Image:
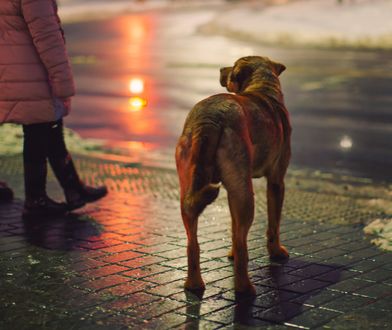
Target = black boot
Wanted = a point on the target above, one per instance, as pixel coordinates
(43, 206)
(6, 193)
(37, 203)
(77, 194)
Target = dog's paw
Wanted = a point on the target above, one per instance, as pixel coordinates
(194, 284)
(278, 252)
(245, 290)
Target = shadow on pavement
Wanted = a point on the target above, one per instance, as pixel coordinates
(287, 293)
(63, 233)
(283, 291)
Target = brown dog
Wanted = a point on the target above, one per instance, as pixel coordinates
(232, 138)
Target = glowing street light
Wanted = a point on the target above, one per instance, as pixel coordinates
(136, 86)
(346, 142)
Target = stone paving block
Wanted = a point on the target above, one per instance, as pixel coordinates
(103, 271)
(173, 254)
(167, 289)
(312, 270)
(121, 247)
(120, 257)
(134, 300)
(328, 254)
(105, 282)
(313, 317)
(166, 321)
(196, 324)
(376, 275)
(127, 288)
(166, 277)
(347, 302)
(145, 271)
(307, 249)
(121, 263)
(384, 304)
(206, 307)
(305, 286)
(192, 297)
(212, 277)
(349, 285)
(336, 275)
(366, 265)
(281, 313)
(87, 264)
(363, 318)
(12, 246)
(376, 291)
(143, 261)
(215, 254)
(157, 308)
(238, 314)
(317, 298)
(233, 296)
(211, 265)
(280, 281)
(274, 297)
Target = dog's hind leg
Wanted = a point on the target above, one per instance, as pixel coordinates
(194, 280)
(190, 211)
(241, 203)
(195, 158)
(275, 197)
(236, 177)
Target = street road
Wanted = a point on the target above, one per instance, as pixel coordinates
(140, 74)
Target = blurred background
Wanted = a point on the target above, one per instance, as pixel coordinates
(140, 66)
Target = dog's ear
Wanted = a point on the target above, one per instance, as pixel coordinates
(278, 67)
(224, 74)
(240, 78)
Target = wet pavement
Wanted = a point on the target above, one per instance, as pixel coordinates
(339, 100)
(121, 263)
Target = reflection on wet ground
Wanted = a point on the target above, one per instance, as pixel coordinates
(122, 262)
(63, 233)
(339, 100)
(124, 259)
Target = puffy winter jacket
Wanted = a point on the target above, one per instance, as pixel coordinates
(34, 65)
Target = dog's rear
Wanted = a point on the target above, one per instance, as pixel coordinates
(195, 160)
(195, 154)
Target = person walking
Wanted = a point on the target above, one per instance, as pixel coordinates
(36, 85)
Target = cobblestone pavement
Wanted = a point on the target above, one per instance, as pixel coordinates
(121, 263)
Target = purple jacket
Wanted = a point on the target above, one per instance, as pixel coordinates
(34, 64)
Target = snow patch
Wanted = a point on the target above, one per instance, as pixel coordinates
(85, 10)
(382, 228)
(11, 137)
(316, 23)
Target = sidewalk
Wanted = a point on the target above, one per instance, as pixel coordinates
(121, 263)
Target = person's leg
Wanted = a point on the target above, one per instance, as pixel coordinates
(77, 194)
(35, 149)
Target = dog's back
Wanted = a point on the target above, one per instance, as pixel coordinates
(221, 128)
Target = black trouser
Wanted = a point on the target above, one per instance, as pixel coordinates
(43, 142)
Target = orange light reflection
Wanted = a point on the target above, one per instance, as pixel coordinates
(137, 103)
(141, 106)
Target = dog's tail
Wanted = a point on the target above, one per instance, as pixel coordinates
(203, 187)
